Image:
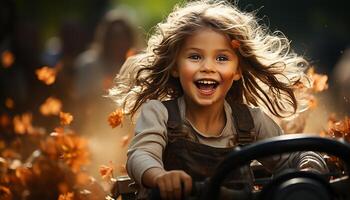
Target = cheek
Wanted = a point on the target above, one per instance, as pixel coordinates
(230, 73)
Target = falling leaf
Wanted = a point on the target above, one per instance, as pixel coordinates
(2, 144)
(50, 148)
(235, 44)
(312, 102)
(7, 59)
(115, 118)
(66, 196)
(106, 172)
(74, 151)
(130, 52)
(58, 131)
(9, 103)
(23, 174)
(46, 75)
(125, 140)
(63, 187)
(65, 118)
(51, 106)
(341, 129)
(107, 82)
(4, 120)
(319, 82)
(23, 123)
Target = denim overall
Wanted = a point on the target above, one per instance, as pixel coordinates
(184, 152)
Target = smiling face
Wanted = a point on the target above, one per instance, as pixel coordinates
(206, 66)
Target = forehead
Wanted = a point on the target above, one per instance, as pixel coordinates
(207, 38)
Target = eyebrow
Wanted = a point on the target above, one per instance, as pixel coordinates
(219, 50)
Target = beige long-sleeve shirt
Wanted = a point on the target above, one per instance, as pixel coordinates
(146, 148)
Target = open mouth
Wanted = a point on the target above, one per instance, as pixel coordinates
(206, 84)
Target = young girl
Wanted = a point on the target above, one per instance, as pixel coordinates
(206, 70)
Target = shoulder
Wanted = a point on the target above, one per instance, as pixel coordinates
(154, 108)
(153, 105)
(152, 118)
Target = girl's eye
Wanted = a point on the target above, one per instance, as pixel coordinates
(194, 57)
(222, 58)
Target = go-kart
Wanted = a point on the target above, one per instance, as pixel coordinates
(289, 185)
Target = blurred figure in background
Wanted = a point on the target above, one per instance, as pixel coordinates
(115, 39)
(95, 68)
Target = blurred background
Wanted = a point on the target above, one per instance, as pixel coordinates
(62, 56)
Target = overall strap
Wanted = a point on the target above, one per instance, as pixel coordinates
(174, 117)
(244, 124)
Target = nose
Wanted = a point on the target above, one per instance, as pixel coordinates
(208, 66)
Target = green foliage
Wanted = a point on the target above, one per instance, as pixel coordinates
(149, 12)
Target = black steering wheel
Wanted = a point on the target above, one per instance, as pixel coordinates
(293, 185)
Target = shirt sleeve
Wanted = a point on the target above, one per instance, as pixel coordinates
(265, 128)
(146, 148)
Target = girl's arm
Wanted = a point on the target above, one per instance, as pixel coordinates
(146, 148)
(144, 163)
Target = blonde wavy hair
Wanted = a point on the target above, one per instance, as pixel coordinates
(270, 71)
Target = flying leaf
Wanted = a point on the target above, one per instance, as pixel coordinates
(9, 103)
(7, 59)
(23, 123)
(67, 196)
(65, 118)
(106, 172)
(51, 106)
(115, 118)
(319, 81)
(46, 75)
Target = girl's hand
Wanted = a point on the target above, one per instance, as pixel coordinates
(170, 184)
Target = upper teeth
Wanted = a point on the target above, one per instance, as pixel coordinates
(206, 82)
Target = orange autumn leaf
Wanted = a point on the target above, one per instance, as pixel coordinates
(115, 118)
(107, 82)
(50, 148)
(63, 187)
(4, 120)
(9, 103)
(74, 151)
(312, 102)
(7, 59)
(340, 128)
(2, 145)
(23, 123)
(46, 75)
(125, 140)
(235, 44)
(106, 172)
(23, 174)
(319, 81)
(51, 106)
(65, 118)
(66, 196)
(130, 52)
(59, 131)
